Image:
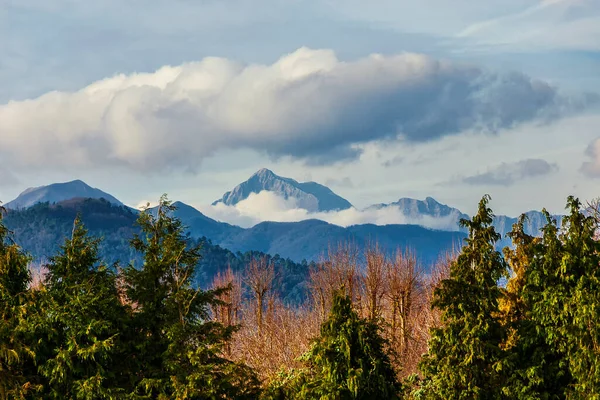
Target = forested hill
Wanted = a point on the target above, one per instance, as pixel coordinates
(41, 229)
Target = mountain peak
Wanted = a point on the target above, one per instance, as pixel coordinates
(57, 192)
(310, 195)
(264, 172)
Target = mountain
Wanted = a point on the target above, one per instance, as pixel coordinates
(309, 195)
(416, 211)
(200, 225)
(430, 212)
(311, 239)
(42, 228)
(58, 192)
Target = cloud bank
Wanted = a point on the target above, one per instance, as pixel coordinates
(268, 206)
(307, 105)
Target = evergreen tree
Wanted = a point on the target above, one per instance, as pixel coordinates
(580, 270)
(14, 280)
(465, 356)
(564, 290)
(535, 368)
(176, 348)
(347, 361)
(82, 319)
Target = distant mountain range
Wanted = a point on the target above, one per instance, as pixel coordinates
(41, 228)
(311, 196)
(307, 239)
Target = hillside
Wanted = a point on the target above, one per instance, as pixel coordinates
(40, 229)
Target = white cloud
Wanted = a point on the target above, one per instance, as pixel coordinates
(308, 105)
(268, 206)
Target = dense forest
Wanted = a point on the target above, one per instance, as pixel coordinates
(148, 323)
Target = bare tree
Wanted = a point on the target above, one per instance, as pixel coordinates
(228, 311)
(374, 280)
(405, 289)
(338, 271)
(260, 276)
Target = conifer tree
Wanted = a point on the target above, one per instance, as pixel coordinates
(176, 348)
(14, 280)
(535, 368)
(347, 361)
(564, 287)
(465, 356)
(82, 319)
(580, 269)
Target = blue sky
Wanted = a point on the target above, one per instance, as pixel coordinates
(463, 98)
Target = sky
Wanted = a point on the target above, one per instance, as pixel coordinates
(377, 100)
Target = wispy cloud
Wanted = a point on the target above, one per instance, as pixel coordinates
(507, 174)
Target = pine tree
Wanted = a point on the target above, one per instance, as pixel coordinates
(347, 361)
(176, 348)
(82, 319)
(465, 354)
(14, 280)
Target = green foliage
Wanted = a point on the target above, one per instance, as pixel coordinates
(536, 367)
(14, 279)
(347, 361)
(465, 357)
(82, 319)
(563, 293)
(93, 331)
(176, 348)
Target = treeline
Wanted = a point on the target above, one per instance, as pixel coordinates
(371, 326)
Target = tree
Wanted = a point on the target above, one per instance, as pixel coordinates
(465, 354)
(405, 294)
(176, 346)
(535, 368)
(374, 281)
(82, 319)
(14, 280)
(347, 361)
(260, 279)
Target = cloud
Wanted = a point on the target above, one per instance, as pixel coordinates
(268, 206)
(396, 160)
(592, 168)
(307, 105)
(345, 182)
(546, 25)
(507, 174)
